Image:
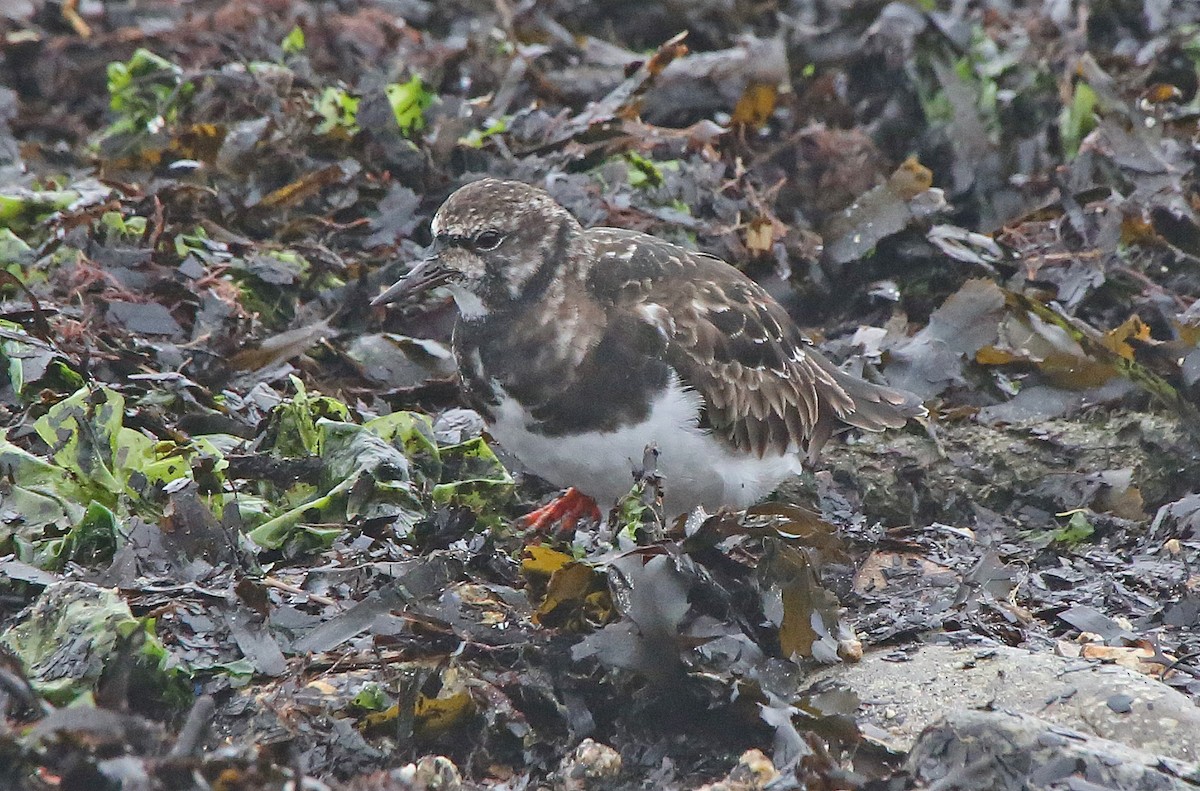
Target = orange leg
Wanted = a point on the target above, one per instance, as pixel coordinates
(565, 511)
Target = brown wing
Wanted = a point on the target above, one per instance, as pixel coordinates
(764, 387)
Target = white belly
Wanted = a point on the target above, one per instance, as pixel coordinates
(696, 468)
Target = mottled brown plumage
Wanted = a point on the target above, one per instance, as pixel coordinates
(764, 386)
(611, 339)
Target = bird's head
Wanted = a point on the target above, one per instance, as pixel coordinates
(494, 243)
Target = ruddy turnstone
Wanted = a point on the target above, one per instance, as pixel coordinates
(580, 347)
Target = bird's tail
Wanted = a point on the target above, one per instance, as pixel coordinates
(875, 408)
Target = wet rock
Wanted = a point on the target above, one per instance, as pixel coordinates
(904, 693)
(1000, 750)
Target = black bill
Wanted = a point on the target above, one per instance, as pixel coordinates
(425, 275)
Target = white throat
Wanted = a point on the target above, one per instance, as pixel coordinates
(470, 306)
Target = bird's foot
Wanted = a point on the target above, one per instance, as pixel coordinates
(564, 513)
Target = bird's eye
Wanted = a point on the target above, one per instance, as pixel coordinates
(488, 240)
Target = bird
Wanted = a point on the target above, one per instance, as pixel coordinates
(582, 347)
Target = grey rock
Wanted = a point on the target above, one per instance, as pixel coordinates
(903, 697)
(999, 750)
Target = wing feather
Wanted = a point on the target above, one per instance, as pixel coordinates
(765, 389)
